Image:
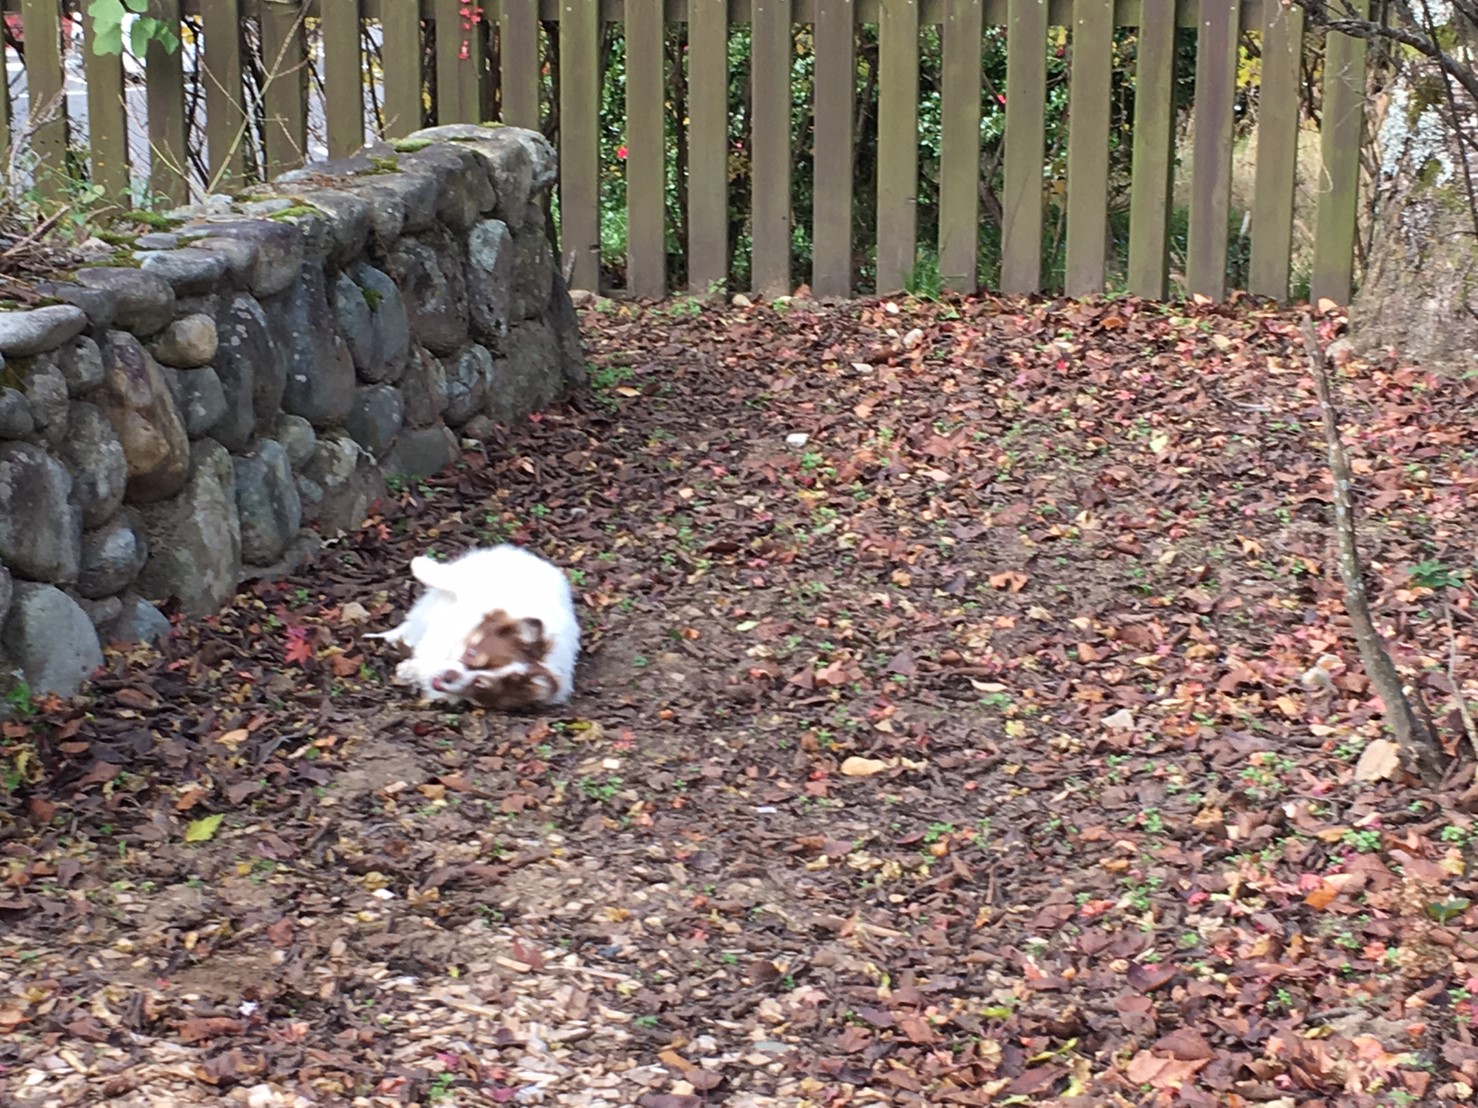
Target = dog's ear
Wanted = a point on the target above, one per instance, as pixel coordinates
(432, 574)
(530, 631)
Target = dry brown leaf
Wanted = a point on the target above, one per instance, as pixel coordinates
(1380, 761)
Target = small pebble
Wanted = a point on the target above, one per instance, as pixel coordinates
(800, 438)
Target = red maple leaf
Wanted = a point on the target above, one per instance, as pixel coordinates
(299, 649)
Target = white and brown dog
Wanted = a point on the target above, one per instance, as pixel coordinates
(496, 627)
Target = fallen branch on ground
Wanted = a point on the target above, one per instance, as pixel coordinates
(1421, 750)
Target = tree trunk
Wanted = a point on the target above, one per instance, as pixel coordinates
(1419, 295)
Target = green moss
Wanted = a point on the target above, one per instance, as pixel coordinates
(160, 221)
(410, 146)
(117, 261)
(297, 211)
(117, 238)
(386, 165)
(372, 297)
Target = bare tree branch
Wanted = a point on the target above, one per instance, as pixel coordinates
(1347, 22)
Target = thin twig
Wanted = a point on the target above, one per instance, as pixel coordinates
(1410, 722)
(46, 225)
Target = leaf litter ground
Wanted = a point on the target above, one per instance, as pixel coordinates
(957, 755)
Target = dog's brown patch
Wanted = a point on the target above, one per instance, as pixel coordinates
(501, 640)
(513, 692)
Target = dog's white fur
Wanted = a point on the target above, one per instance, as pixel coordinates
(460, 593)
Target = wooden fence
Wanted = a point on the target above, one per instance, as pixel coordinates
(463, 73)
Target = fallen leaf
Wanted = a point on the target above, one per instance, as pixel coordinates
(856, 766)
(203, 829)
(1379, 761)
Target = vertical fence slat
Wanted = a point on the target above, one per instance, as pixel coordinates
(107, 121)
(164, 73)
(518, 59)
(1154, 149)
(343, 91)
(959, 153)
(1339, 149)
(44, 84)
(460, 61)
(770, 57)
(7, 115)
(1211, 173)
(835, 92)
(400, 53)
(646, 152)
(225, 104)
(898, 143)
(285, 97)
(579, 151)
(1090, 90)
(708, 144)
(1277, 152)
(1026, 143)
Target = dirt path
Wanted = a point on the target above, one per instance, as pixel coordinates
(955, 755)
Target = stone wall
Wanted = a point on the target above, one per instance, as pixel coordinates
(207, 403)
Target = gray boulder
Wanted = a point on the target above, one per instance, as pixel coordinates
(529, 376)
(469, 375)
(490, 278)
(137, 621)
(15, 415)
(99, 467)
(190, 272)
(252, 372)
(372, 319)
(428, 271)
(202, 399)
(297, 437)
(145, 300)
(422, 451)
(81, 364)
(378, 415)
(320, 372)
(349, 482)
(195, 538)
(100, 611)
(46, 394)
(99, 305)
(348, 218)
(267, 503)
(562, 320)
(112, 556)
(465, 191)
(40, 526)
(23, 334)
(533, 270)
(424, 387)
(50, 638)
(279, 251)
